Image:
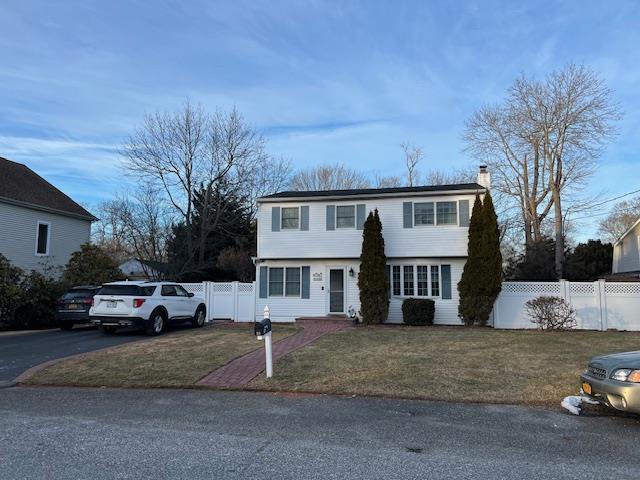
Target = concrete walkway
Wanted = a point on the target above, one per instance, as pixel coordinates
(243, 369)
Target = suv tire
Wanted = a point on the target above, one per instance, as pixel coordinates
(200, 317)
(157, 323)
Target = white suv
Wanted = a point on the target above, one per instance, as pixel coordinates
(151, 305)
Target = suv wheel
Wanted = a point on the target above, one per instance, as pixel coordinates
(156, 323)
(200, 317)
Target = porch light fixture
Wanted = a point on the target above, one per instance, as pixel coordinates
(351, 272)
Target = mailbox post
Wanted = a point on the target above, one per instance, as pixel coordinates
(262, 330)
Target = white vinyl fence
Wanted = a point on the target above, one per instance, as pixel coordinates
(599, 305)
(226, 300)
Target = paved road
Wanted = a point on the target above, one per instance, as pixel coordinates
(18, 352)
(173, 434)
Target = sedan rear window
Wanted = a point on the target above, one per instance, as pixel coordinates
(127, 290)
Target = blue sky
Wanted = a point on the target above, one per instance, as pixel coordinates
(324, 81)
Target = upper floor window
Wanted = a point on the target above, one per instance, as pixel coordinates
(423, 213)
(447, 213)
(290, 218)
(345, 216)
(42, 238)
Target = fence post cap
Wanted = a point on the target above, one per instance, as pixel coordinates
(266, 311)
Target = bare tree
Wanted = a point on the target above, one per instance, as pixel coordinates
(451, 177)
(136, 225)
(622, 216)
(542, 143)
(189, 153)
(329, 177)
(412, 156)
(387, 181)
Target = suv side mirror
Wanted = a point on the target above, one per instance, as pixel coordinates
(190, 294)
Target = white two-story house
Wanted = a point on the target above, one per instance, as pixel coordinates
(309, 246)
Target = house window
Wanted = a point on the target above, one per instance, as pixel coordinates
(290, 218)
(423, 280)
(346, 216)
(276, 282)
(42, 238)
(292, 283)
(408, 280)
(396, 280)
(423, 213)
(447, 213)
(435, 281)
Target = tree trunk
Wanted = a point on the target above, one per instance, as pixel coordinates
(558, 222)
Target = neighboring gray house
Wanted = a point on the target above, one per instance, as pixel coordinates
(626, 252)
(39, 225)
(136, 269)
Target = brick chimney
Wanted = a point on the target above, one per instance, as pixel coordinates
(484, 177)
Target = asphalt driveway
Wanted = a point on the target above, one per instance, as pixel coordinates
(19, 352)
(189, 434)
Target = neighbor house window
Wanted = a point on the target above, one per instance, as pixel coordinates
(435, 281)
(276, 282)
(408, 280)
(396, 280)
(423, 280)
(346, 216)
(290, 218)
(292, 282)
(447, 213)
(423, 213)
(42, 239)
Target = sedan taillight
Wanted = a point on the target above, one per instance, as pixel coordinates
(137, 302)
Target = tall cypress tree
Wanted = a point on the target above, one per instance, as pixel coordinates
(372, 280)
(491, 258)
(482, 275)
(472, 272)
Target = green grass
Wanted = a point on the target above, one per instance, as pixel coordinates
(446, 363)
(178, 359)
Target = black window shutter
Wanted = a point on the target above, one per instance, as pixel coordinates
(306, 280)
(445, 271)
(407, 215)
(275, 219)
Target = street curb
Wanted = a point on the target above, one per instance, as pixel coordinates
(13, 333)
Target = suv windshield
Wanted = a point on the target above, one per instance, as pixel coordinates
(127, 290)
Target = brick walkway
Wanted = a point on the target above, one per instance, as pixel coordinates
(243, 369)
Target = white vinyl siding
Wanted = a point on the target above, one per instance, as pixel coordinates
(18, 240)
(318, 242)
(285, 309)
(626, 254)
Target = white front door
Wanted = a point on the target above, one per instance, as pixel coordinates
(336, 290)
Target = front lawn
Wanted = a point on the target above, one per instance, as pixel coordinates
(446, 363)
(177, 359)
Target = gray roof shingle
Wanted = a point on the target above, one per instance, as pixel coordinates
(20, 184)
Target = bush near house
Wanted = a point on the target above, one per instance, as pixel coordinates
(28, 300)
(418, 311)
(551, 313)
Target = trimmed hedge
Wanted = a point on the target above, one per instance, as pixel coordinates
(418, 311)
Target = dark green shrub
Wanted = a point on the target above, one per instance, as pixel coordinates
(37, 309)
(91, 266)
(372, 280)
(11, 293)
(418, 311)
(481, 280)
